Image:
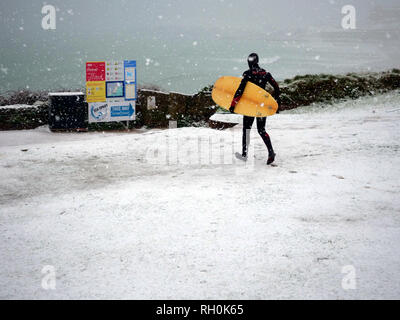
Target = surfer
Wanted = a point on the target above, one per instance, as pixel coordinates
(259, 77)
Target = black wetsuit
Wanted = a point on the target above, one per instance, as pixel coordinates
(260, 77)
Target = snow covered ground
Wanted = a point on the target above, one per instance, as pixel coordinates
(120, 215)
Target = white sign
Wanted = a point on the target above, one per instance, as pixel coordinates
(114, 71)
(98, 112)
(151, 103)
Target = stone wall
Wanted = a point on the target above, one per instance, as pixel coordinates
(24, 117)
(154, 110)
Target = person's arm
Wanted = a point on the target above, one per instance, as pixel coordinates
(239, 92)
(277, 90)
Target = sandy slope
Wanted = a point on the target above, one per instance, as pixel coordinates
(119, 220)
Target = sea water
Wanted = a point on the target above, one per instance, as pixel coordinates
(188, 61)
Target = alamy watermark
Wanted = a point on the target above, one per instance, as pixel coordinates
(49, 21)
(349, 281)
(349, 18)
(49, 280)
(200, 150)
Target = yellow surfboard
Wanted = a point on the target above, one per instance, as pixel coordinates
(255, 102)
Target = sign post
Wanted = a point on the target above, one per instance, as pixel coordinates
(111, 90)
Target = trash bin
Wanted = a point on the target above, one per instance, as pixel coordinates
(67, 111)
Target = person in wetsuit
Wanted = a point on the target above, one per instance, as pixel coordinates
(259, 77)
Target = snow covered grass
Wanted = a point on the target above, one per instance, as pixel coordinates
(123, 216)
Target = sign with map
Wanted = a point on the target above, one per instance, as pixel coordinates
(111, 90)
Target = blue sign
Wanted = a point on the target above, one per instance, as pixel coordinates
(122, 111)
(130, 63)
(130, 80)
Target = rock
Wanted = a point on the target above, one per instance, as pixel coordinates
(39, 103)
(221, 125)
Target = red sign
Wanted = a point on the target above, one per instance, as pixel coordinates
(95, 71)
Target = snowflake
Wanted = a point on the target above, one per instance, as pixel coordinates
(4, 69)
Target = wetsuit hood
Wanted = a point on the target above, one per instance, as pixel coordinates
(252, 60)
